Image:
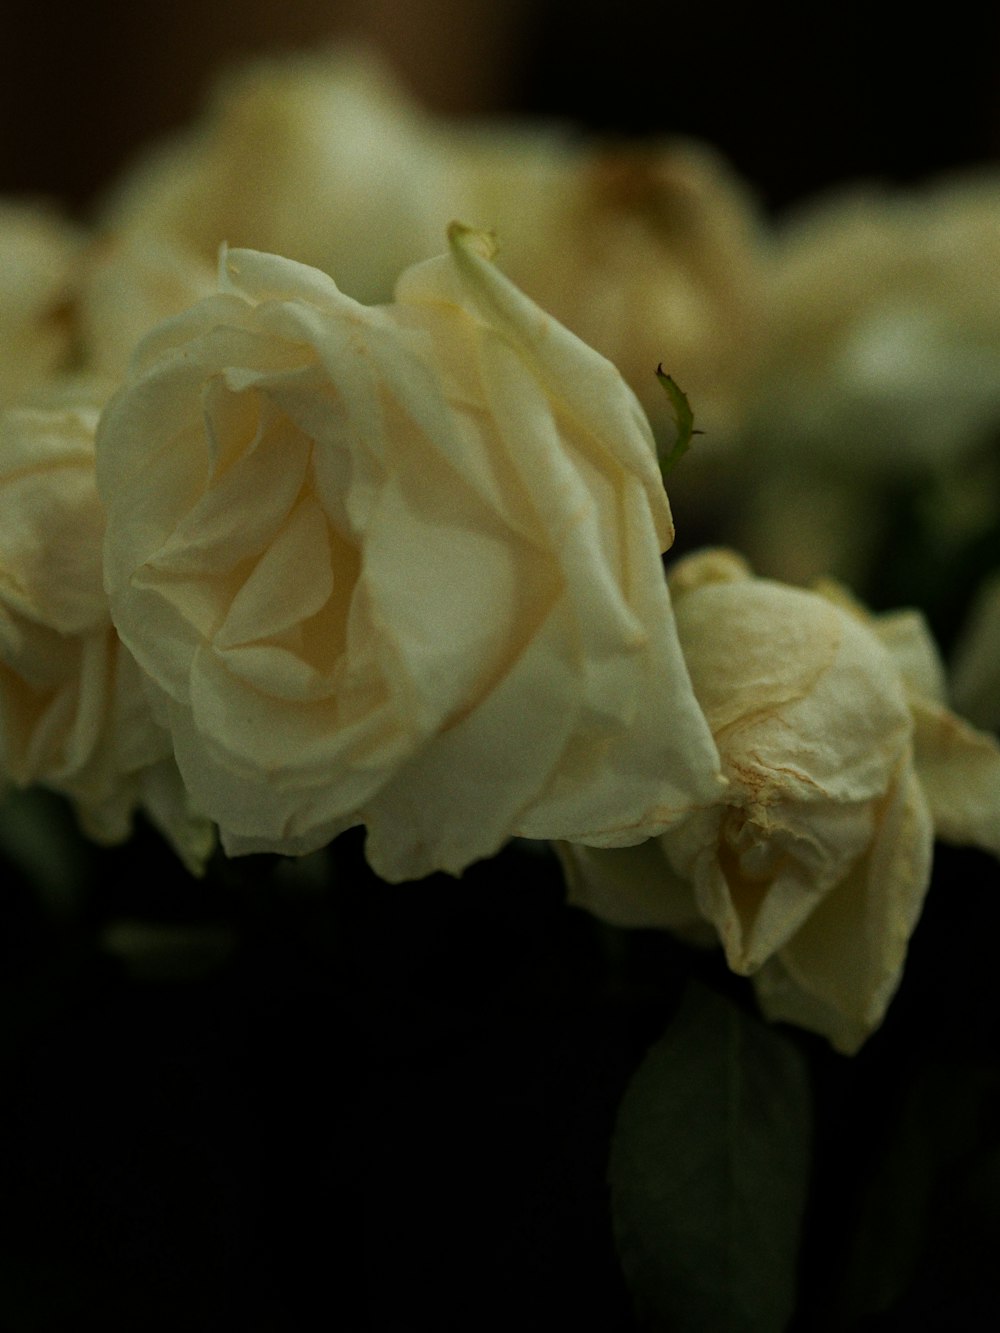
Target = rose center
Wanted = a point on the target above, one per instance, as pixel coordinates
(749, 840)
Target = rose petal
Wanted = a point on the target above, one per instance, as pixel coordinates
(959, 770)
(842, 967)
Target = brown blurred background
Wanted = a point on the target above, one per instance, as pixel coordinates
(798, 97)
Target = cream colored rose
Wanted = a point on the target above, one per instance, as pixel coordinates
(318, 156)
(650, 253)
(882, 366)
(842, 762)
(885, 346)
(37, 252)
(73, 713)
(399, 566)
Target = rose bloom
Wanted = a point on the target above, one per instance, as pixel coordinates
(647, 253)
(37, 253)
(73, 713)
(650, 253)
(885, 343)
(398, 566)
(318, 156)
(842, 763)
(881, 367)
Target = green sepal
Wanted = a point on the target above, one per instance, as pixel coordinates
(683, 419)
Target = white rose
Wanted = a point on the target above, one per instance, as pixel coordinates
(37, 252)
(882, 367)
(318, 156)
(842, 762)
(885, 345)
(399, 566)
(73, 713)
(650, 253)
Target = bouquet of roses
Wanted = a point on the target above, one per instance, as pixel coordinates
(323, 519)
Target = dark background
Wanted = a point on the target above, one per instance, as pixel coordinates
(390, 1108)
(799, 97)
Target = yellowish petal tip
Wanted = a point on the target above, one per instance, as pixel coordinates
(228, 269)
(483, 243)
(714, 565)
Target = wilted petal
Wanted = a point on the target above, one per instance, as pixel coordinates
(959, 771)
(631, 886)
(842, 967)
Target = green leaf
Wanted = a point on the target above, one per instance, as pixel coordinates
(39, 839)
(709, 1172)
(683, 417)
